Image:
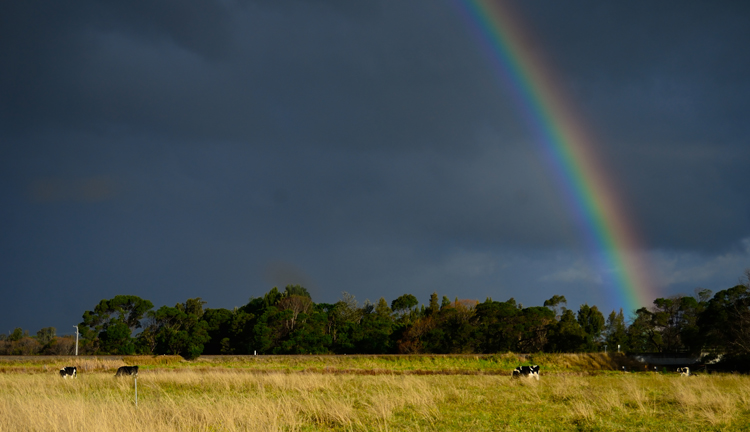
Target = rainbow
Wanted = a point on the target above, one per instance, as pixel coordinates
(567, 150)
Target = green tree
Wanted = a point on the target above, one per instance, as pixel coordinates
(192, 306)
(689, 311)
(592, 323)
(671, 325)
(343, 319)
(309, 334)
(446, 302)
(267, 331)
(451, 331)
(271, 298)
(434, 306)
(556, 303)
(46, 335)
(17, 334)
(533, 325)
(299, 308)
(665, 317)
(122, 310)
(497, 326)
(643, 335)
(725, 323)
(296, 290)
(179, 329)
(404, 305)
(373, 335)
(115, 338)
(219, 328)
(615, 332)
(566, 335)
(265, 323)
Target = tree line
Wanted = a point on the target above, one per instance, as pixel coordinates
(288, 321)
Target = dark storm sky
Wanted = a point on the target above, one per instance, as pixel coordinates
(176, 149)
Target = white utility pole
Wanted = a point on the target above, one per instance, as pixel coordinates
(76, 339)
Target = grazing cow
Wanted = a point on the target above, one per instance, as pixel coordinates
(127, 370)
(526, 371)
(683, 371)
(68, 371)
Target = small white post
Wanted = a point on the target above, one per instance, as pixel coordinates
(135, 380)
(618, 347)
(76, 339)
(255, 352)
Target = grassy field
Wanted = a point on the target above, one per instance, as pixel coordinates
(383, 393)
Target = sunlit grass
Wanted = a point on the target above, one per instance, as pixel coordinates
(375, 364)
(210, 396)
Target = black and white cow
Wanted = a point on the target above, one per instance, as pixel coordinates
(526, 372)
(127, 370)
(68, 371)
(683, 371)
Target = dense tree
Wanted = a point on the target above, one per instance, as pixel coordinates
(220, 331)
(46, 335)
(178, 330)
(296, 290)
(299, 308)
(592, 323)
(343, 319)
(404, 307)
(434, 305)
(289, 322)
(533, 324)
(615, 332)
(449, 332)
(18, 334)
(19, 343)
(665, 317)
(110, 325)
(309, 334)
(566, 335)
(643, 336)
(497, 327)
(373, 335)
(556, 303)
(445, 302)
(127, 309)
(725, 324)
(669, 326)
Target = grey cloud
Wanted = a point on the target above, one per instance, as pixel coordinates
(214, 149)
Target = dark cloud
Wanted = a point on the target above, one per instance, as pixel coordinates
(52, 190)
(216, 149)
(662, 87)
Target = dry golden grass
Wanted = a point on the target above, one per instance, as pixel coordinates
(492, 364)
(45, 365)
(152, 360)
(237, 399)
(226, 401)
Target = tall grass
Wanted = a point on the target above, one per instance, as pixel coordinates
(227, 401)
(407, 364)
(364, 364)
(235, 399)
(43, 364)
